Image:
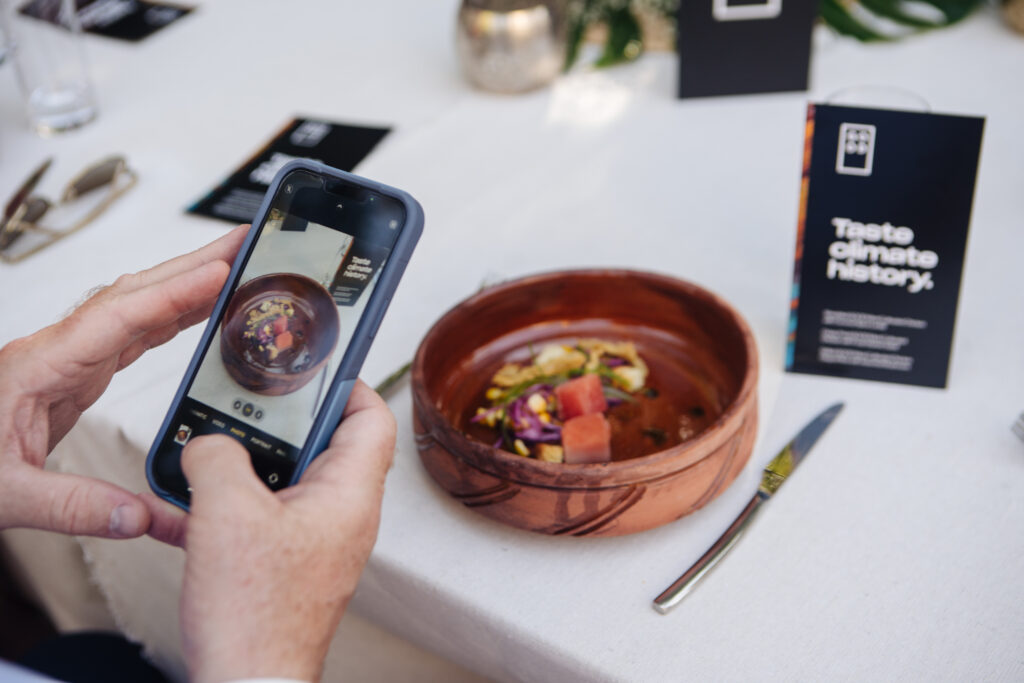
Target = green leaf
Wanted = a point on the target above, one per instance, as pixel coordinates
(955, 10)
(836, 16)
(892, 10)
(575, 39)
(615, 392)
(625, 39)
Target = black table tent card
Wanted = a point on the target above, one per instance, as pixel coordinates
(882, 235)
(356, 271)
(734, 47)
(237, 199)
(130, 20)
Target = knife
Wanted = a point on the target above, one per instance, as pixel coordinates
(781, 466)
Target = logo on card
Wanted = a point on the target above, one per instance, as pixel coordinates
(310, 133)
(856, 151)
(733, 10)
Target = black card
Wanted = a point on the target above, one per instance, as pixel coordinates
(881, 239)
(238, 198)
(356, 271)
(130, 20)
(733, 47)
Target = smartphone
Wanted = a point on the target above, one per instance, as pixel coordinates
(290, 330)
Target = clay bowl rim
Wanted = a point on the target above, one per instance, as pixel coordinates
(314, 286)
(533, 472)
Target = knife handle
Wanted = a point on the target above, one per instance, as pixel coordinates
(675, 593)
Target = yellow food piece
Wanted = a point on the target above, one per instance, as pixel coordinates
(536, 403)
(550, 453)
(633, 378)
(555, 359)
(521, 448)
(268, 309)
(511, 374)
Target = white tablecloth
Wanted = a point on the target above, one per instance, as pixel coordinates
(893, 553)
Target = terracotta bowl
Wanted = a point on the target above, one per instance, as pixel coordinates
(316, 334)
(696, 346)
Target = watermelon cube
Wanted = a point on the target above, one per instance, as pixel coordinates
(587, 438)
(283, 341)
(580, 396)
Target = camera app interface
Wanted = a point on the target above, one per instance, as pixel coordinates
(285, 329)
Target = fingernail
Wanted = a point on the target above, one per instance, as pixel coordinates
(125, 521)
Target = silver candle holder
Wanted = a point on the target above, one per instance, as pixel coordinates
(511, 46)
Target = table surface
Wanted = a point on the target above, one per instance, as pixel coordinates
(895, 552)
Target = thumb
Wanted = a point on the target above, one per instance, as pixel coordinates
(217, 465)
(71, 504)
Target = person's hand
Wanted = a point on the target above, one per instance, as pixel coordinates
(50, 377)
(268, 575)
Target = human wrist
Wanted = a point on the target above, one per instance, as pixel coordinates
(276, 654)
(257, 670)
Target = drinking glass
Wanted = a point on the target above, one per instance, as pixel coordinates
(43, 40)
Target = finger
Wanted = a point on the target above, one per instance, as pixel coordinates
(105, 329)
(223, 249)
(161, 336)
(217, 465)
(162, 303)
(361, 449)
(71, 504)
(363, 398)
(167, 522)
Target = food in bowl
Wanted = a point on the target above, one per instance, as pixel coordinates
(571, 401)
(702, 368)
(275, 334)
(279, 330)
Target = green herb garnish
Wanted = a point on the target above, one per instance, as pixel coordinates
(615, 392)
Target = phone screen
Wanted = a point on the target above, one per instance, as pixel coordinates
(284, 332)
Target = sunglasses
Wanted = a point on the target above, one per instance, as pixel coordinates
(21, 234)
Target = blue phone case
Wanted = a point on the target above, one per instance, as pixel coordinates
(348, 370)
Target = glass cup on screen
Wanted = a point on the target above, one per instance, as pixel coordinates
(44, 44)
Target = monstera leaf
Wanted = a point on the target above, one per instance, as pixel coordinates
(865, 20)
(874, 20)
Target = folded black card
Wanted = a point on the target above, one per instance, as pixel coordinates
(732, 47)
(882, 233)
(130, 20)
(238, 198)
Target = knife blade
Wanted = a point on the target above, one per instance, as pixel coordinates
(774, 475)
